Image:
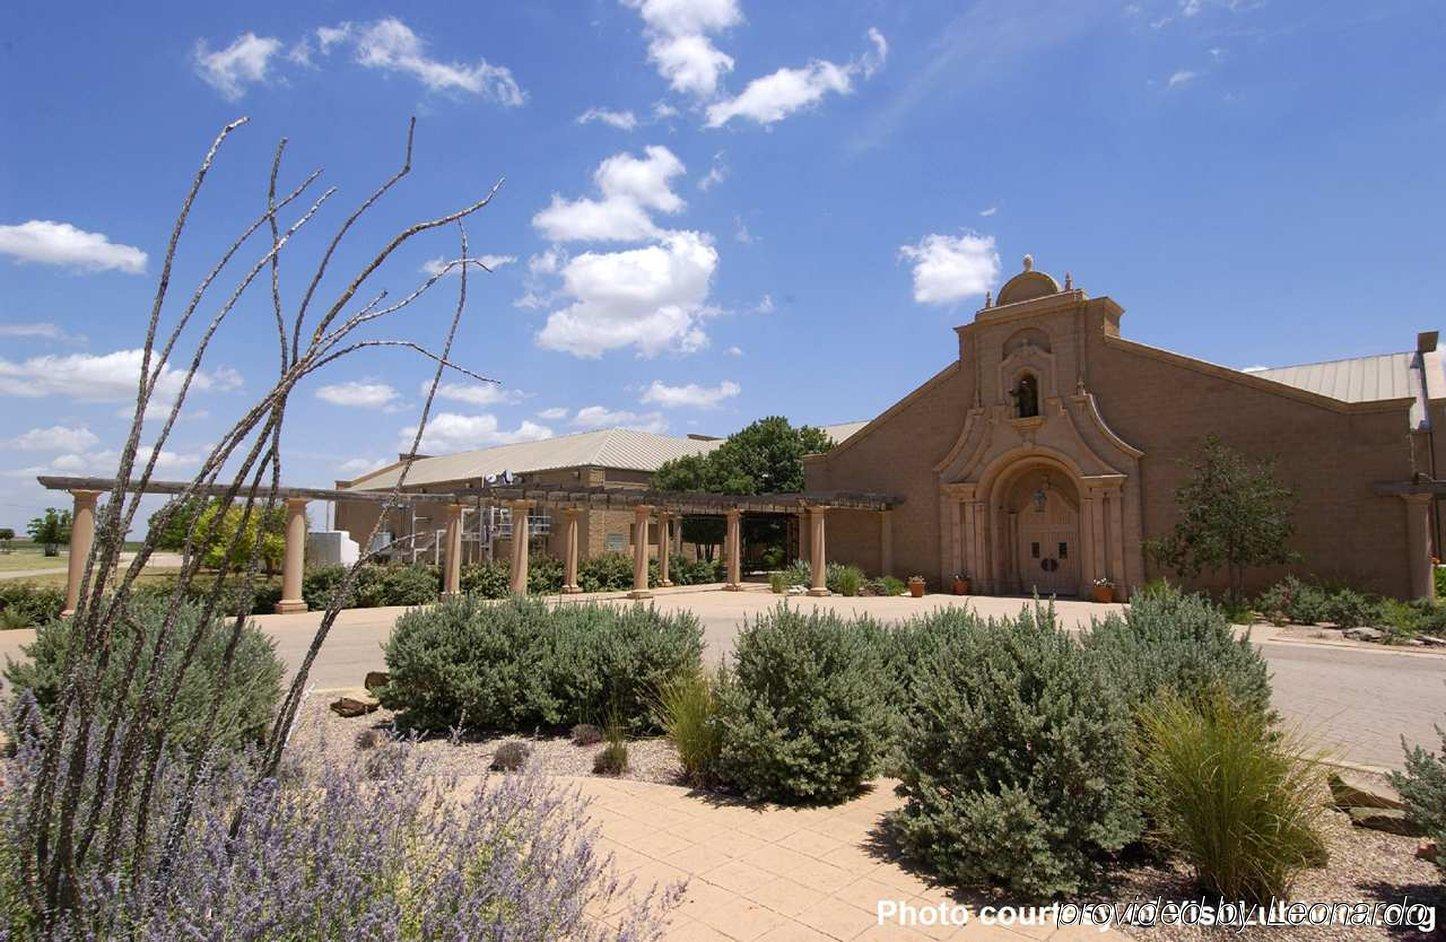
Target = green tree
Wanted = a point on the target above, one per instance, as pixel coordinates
(51, 530)
(1234, 515)
(6, 535)
(172, 522)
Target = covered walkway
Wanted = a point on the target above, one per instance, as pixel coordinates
(664, 507)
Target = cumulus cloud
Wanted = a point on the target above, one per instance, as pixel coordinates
(652, 298)
(390, 45)
(690, 396)
(1180, 77)
(631, 188)
(771, 98)
(679, 45)
(37, 330)
(477, 394)
(622, 120)
(436, 266)
(592, 417)
(950, 268)
(356, 467)
(107, 377)
(450, 432)
(360, 395)
(240, 64)
(553, 414)
(55, 438)
(46, 242)
(734, 351)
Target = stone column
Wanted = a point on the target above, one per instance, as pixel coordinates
(294, 558)
(1418, 545)
(569, 552)
(1117, 543)
(803, 547)
(520, 533)
(82, 538)
(886, 543)
(642, 515)
(733, 550)
(452, 574)
(665, 548)
(1088, 566)
(818, 561)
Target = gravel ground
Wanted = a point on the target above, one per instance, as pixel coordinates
(650, 759)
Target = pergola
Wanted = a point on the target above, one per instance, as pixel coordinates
(667, 506)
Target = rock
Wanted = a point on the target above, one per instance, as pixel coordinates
(1389, 820)
(1356, 790)
(1364, 634)
(1431, 641)
(355, 702)
(1426, 850)
(376, 679)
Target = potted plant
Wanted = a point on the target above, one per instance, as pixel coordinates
(916, 586)
(961, 583)
(1103, 590)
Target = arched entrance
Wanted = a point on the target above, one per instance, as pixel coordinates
(1043, 509)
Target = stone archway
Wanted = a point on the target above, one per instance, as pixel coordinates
(1041, 515)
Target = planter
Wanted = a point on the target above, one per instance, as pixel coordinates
(916, 587)
(961, 586)
(1103, 593)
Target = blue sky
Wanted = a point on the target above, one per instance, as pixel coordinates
(714, 209)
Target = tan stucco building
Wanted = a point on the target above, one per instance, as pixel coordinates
(1050, 449)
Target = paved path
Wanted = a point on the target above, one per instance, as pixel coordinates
(157, 561)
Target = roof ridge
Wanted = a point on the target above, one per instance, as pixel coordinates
(1297, 366)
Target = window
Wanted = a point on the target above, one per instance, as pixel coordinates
(1034, 550)
(1064, 551)
(1026, 397)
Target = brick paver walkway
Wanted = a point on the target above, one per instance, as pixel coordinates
(774, 874)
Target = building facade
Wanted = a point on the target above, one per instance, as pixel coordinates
(1046, 454)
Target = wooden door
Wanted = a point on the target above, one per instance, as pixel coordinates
(1048, 552)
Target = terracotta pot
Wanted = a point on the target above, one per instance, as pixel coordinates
(1103, 593)
(961, 586)
(916, 588)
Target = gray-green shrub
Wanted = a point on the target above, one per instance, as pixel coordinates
(27, 605)
(1017, 765)
(1423, 791)
(251, 693)
(689, 707)
(490, 580)
(522, 664)
(805, 718)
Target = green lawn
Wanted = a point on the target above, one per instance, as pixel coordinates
(26, 555)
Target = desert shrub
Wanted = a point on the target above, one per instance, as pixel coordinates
(1017, 768)
(804, 719)
(688, 711)
(685, 571)
(1293, 601)
(1171, 641)
(612, 759)
(845, 579)
(1347, 608)
(778, 583)
(606, 572)
(26, 605)
(1423, 791)
(799, 572)
(247, 705)
(491, 580)
(1236, 801)
(1405, 620)
(586, 734)
(523, 664)
(319, 584)
(265, 592)
(352, 850)
(544, 575)
(1438, 575)
(374, 586)
(410, 585)
(510, 756)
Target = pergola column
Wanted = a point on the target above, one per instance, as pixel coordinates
(818, 561)
(733, 551)
(569, 552)
(665, 548)
(294, 558)
(82, 538)
(886, 543)
(803, 541)
(1418, 545)
(642, 515)
(520, 538)
(452, 573)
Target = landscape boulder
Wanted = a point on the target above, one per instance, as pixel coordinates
(1357, 790)
(357, 701)
(1364, 634)
(1389, 820)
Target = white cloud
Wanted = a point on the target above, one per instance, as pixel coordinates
(951, 268)
(55, 438)
(1181, 77)
(477, 394)
(679, 44)
(38, 330)
(691, 396)
(764, 305)
(59, 243)
(622, 120)
(741, 233)
(435, 266)
(591, 417)
(716, 174)
(242, 63)
(734, 351)
(631, 187)
(107, 377)
(651, 298)
(356, 467)
(553, 414)
(772, 98)
(360, 395)
(989, 211)
(450, 432)
(106, 461)
(390, 45)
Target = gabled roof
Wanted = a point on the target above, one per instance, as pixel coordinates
(843, 431)
(1357, 379)
(619, 448)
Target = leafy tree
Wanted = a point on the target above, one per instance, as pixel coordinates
(6, 535)
(1234, 514)
(52, 530)
(171, 523)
